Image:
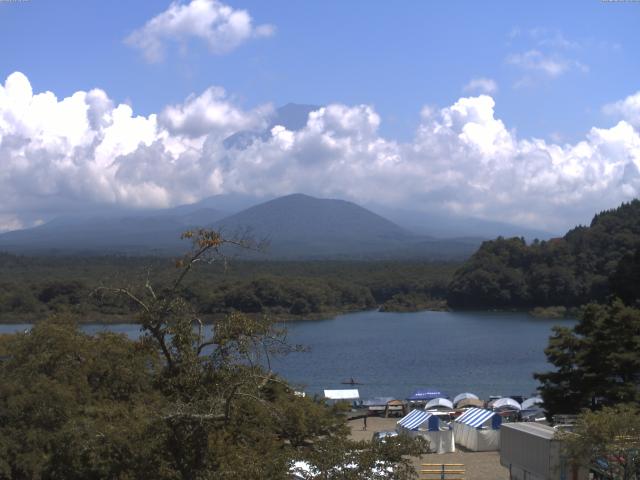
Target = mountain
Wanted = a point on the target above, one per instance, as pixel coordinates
(297, 226)
(570, 271)
(146, 232)
(452, 226)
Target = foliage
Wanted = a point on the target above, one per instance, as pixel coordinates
(596, 363)
(625, 282)
(34, 287)
(351, 460)
(183, 402)
(568, 271)
(607, 440)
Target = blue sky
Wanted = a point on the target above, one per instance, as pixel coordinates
(552, 68)
(396, 56)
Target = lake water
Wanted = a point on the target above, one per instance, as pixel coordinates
(393, 354)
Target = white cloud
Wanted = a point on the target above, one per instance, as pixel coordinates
(86, 150)
(9, 222)
(549, 65)
(211, 111)
(220, 26)
(628, 109)
(481, 85)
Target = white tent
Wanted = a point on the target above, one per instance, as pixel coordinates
(464, 396)
(347, 394)
(478, 430)
(419, 423)
(506, 403)
(439, 402)
(531, 403)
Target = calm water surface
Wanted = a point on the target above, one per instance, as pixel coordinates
(392, 354)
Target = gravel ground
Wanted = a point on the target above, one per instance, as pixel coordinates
(478, 465)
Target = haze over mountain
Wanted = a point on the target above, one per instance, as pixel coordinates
(297, 226)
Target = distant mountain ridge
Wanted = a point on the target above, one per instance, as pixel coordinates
(298, 227)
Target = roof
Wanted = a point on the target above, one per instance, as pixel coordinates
(439, 402)
(351, 394)
(530, 402)
(414, 419)
(536, 429)
(475, 417)
(467, 402)
(506, 402)
(463, 396)
(377, 401)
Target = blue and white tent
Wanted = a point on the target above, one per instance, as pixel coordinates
(419, 423)
(478, 430)
(418, 418)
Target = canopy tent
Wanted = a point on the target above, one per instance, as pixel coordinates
(506, 403)
(439, 402)
(424, 395)
(478, 430)
(395, 407)
(419, 423)
(348, 394)
(464, 396)
(470, 402)
(531, 403)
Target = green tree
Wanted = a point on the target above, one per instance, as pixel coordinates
(607, 441)
(596, 363)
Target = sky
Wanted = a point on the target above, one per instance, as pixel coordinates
(523, 112)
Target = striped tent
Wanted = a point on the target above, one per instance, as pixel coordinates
(419, 423)
(478, 430)
(417, 418)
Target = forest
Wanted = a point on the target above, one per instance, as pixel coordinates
(590, 263)
(34, 287)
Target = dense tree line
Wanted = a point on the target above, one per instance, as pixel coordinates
(33, 287)
(587, 264)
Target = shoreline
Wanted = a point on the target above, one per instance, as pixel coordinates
(116, 319)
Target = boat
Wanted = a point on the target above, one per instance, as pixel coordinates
(351, 381)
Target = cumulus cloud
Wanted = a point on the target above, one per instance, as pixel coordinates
(212, 111)
(628, 109)
(220, 26)
(481, 85)
(84, 149)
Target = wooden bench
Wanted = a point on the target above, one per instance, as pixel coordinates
(443, 471)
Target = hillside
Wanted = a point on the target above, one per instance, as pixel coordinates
(567, 271)
(142, 233)
(296, 226)
(299, 225)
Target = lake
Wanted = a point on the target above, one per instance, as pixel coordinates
(392, 354)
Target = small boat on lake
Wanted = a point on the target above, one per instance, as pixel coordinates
(351, 381)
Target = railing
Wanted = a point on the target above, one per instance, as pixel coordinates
(443, 471)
